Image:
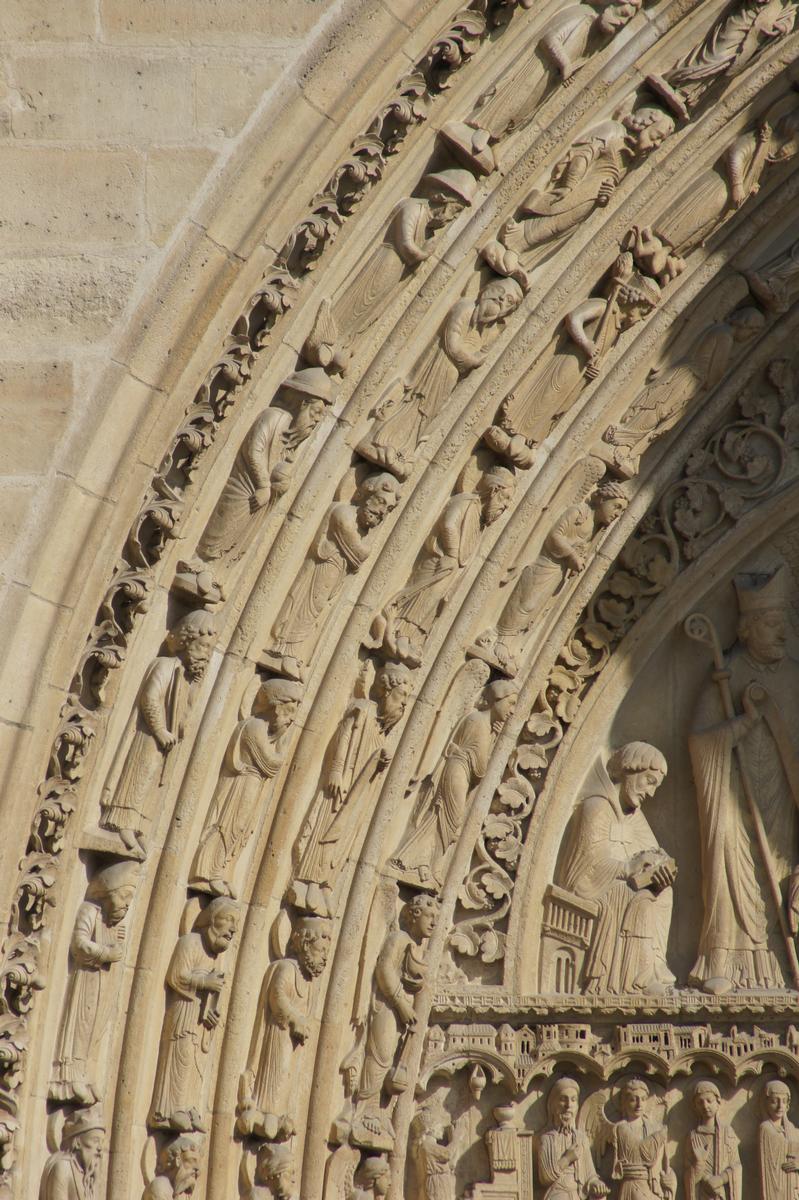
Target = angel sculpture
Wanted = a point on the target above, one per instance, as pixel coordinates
(408, 242)
(637, 1142)
(403, 423)
(564, 552)
(510, 104)
(564, 1160)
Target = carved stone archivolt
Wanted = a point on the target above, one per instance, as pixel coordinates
(422, 819)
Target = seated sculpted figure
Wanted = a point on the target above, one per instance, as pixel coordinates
(613, 858)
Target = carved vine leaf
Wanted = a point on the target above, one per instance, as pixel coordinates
(739, 464)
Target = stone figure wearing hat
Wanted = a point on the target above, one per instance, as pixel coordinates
(593, 328)
(262, 468)
(177, 1169)
(193, 984)
(72, 1172)
(98, 941)
(712, 1161)
(408, 241)
(162, 706)
(254, 755)
(564, 1162)
(739, 930)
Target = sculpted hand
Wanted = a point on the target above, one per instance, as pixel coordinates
(166, 740)
(299, 1028)
(663, 877)
(606, 190)
(754, 695)
(575, 560)
(114, 953)
(335, 787)
(405, 1012)
(383, 760)
(594, 365)
(214, 981)
(211, 1019)
(597, 1188)
(260, 498)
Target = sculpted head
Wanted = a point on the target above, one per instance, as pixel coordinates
(376, 497)
(497, 300)
(218, 923)
(776, 1100)
(418, 916)
(615, 16)
(179, 1162)
(310, 944)
(632, 1098)
(763, 618)
(276, 1170)
(500, 698)
(310, 390)
(746, 323)
(113, 889)
(83, 1136)
(707, 1100)
(376, 1175)
(637, 299)
(448, 193)
(648, 128)
(609, 501)
(495, 489)
(563, 1102)
(278, 701)
(192, 639)
(638, 769)
(393, 684)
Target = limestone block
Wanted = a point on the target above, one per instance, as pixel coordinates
(172, 179)
(35, 400)
(15, 502)
(201, 22)
(47, 196)
(78, 296)
(116, 95)
(227, 92)
(59, 20)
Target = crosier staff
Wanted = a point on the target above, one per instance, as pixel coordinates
(700, 628)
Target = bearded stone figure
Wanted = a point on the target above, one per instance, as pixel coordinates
(341, 547)
(193, 985)
(71, 1173)
(585, 178)
(268, 1088)
(461, 349)
(755, 745)
(98, 941)
(398, 976)
(639, 1148)
(564, 552)
(422, 856)
(510, 104)
(407, 243)
(360, 752)
(275, 1174)
(779, 1145)
(564, 1162)
(161, 710)
(612, 858)
(712, 1162)
(254, 755)
(449, 548)
(177, 1169)
(262, 469)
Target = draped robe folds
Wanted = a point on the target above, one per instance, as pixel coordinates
(161, 704)
(86, 1009)
(329, 838)
(639, 1159)
(366, 296)
(539, 580)
(450, 547)
(712, 1149)
(252, 756)
(434, 1166)
(399, 968)
(565, 1182)
(260, 452)
(339, 548)
(628, 946)
(738, 923)
(62, 1178)
(777, 1141)
(184, 1040)
(273, 1074)
(444, 806)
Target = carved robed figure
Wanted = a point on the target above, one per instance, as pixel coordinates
(712, 1162)
(564, 1161)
